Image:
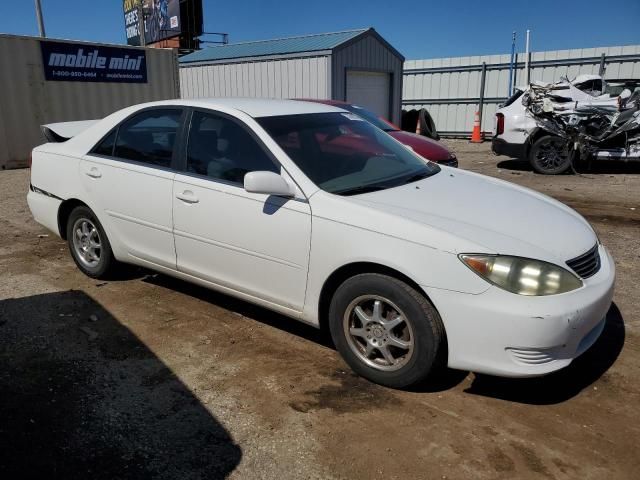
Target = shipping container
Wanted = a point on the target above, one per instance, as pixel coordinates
(72, 85)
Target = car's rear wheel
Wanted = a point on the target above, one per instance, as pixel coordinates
(88, 243)
(550, 155)
(385, 330)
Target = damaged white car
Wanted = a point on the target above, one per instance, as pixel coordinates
(554, 125)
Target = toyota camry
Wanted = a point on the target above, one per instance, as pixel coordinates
(308, 210)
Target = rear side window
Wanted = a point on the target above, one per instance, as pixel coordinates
(149, 137)
(516, 95)
(105, 147)
(592, 87)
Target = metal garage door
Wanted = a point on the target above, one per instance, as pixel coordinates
(370, 90)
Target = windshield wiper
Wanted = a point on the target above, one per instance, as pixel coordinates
(359, 190)
(417, 176)
(377, 187)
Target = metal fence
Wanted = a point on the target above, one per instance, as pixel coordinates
(453, 89)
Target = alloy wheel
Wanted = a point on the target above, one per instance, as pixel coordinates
(87, 244)
(551, 155)
(378, 332)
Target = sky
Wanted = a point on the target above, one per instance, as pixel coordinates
(417, 28)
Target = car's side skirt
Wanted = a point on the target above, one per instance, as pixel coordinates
(289, 312)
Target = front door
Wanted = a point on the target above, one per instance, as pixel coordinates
(250, 243)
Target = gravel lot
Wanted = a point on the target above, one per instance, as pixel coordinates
(150, 377)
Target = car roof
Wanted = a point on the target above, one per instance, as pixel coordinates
(254, 107)
(324, 101)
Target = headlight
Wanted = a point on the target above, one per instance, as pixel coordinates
(523, 276)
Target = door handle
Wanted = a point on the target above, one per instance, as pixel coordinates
(187, 196)
(94, 173)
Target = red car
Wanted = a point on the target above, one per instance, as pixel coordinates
(423, 146)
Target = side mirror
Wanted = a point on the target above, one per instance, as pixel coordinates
(269, 183)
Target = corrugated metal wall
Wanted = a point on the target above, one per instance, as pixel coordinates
(450, 87)
(28, 101)
(306, 77)
(370, 54)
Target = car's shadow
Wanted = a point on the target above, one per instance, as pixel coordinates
(515, 164)
(255, 312)
(554, 388)
(83, 397)
(565, 384)
(596, 167)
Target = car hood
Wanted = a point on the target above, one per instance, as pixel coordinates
(484, 215)
(423, 146)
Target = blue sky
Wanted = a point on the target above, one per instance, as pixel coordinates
(418, 28)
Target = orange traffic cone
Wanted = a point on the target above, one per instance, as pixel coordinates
(476, 135)
(418, 129)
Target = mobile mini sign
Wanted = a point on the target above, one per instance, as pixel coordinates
(74, 62)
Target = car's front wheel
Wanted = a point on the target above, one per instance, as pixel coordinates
(88, 243)
(385, 330)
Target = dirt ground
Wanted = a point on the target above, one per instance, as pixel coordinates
(150, 377)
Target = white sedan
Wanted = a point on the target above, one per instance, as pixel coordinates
(308, 210)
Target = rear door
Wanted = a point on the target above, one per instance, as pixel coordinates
(129, 175)
(254, 244)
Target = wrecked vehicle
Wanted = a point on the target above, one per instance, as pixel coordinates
(555, 125)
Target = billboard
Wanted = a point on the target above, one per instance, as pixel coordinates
(161, 20)
(77, 62)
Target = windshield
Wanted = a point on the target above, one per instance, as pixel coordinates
(370, 117)
(345, 155)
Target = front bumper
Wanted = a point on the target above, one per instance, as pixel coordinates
(509, 335)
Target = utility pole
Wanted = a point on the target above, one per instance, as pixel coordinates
(511, 64)
(527, 56)
(40, 20)
(483, 77)
(143, 38)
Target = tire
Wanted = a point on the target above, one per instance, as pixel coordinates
(427, 125)
(421, 332)
(549, 155)
(85, 234)
(409, 120)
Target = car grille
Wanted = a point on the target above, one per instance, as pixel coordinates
(587, 264)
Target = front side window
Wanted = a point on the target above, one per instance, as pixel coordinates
(149, 137)
(222, 149)
(345, 155)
